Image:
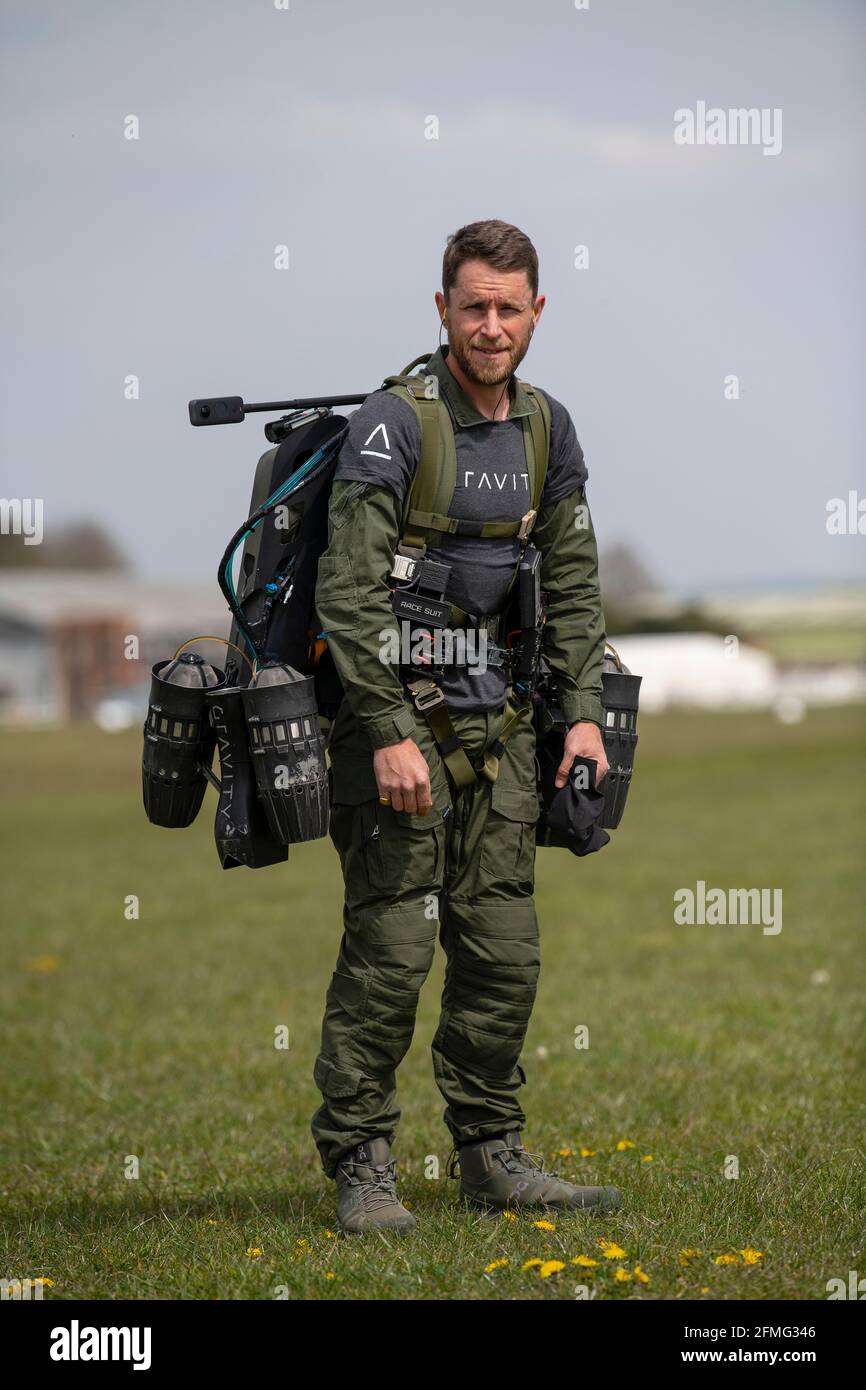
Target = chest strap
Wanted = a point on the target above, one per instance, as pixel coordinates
(459, 526)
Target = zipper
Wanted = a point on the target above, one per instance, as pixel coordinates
(348, 496)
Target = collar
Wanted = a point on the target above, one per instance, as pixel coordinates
(464, 412)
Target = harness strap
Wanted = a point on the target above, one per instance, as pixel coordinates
(435, 711)
(430, 702)
(426, 521)
(458, 526)
(431, 491)
(511, 716)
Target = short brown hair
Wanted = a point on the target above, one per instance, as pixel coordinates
(498, 243)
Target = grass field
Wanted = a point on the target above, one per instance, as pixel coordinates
(154, 1038)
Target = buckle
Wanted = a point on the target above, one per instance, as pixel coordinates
(427, 696)
(526, 524)
(404, 567)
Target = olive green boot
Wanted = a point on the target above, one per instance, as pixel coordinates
(366, 1190)
(499, 1173)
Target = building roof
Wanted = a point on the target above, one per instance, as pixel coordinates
(43, 597)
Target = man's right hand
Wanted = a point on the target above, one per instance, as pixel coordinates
(403, 775)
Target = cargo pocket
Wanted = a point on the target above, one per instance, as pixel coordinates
(341, 501)
(352, 992)
(409, 854)
(333, 1080)
(508, 846)
(336, 599)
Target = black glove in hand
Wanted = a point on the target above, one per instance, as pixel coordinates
(569, 814)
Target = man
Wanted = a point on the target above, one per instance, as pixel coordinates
(422, 843)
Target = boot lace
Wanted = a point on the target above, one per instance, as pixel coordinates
(525, 1161)
(513, 1158)
(378, 1191)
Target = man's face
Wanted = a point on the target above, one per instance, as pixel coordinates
(490, 315)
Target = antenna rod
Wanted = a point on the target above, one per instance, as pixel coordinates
(231, 410)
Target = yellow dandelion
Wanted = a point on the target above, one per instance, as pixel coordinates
(686, 1256)
(254, 1251)
(494, 1264)
(639, 1274)
(551, 1267)
(750, 1256)
(564, 1153)
(211, 1222)
(329, 1274)
(725, 1260)
(45, 965)
(585, 1262)
(544, 1225)
(705, 1289)
(509, 1216)
(624, 1144)
(587, 1153)
(302, 1243)
(647, 1158)
(330, 1235)
(622, 1276)
(49, 1283)
(530, 1264)
(611, 1250)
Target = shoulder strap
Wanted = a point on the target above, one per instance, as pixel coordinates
(436, 475)
(536, 441)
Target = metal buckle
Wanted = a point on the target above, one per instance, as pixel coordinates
(428, 698)
(404, 567)
(526, 524)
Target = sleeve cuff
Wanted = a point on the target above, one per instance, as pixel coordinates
(395, 727)
(582, 707)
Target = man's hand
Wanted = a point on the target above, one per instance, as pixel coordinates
(583, 740)
(403, 775)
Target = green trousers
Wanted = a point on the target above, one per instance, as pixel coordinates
(465, 873)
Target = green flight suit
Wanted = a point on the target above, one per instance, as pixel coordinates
(465, 871)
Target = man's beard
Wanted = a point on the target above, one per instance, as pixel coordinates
(488, 373)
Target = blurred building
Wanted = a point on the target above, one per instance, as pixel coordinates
(698, 670)
(65, 646)
(68, 638)
(703, 671)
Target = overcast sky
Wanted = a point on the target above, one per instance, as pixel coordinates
(306, 126)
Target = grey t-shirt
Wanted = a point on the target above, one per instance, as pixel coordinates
(382, 448)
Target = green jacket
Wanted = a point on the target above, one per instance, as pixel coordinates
(354, 607)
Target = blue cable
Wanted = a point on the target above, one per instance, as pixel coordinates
(282, 491)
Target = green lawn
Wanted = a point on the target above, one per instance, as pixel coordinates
(155, 1038)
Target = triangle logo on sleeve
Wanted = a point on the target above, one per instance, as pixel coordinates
(376, 453)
